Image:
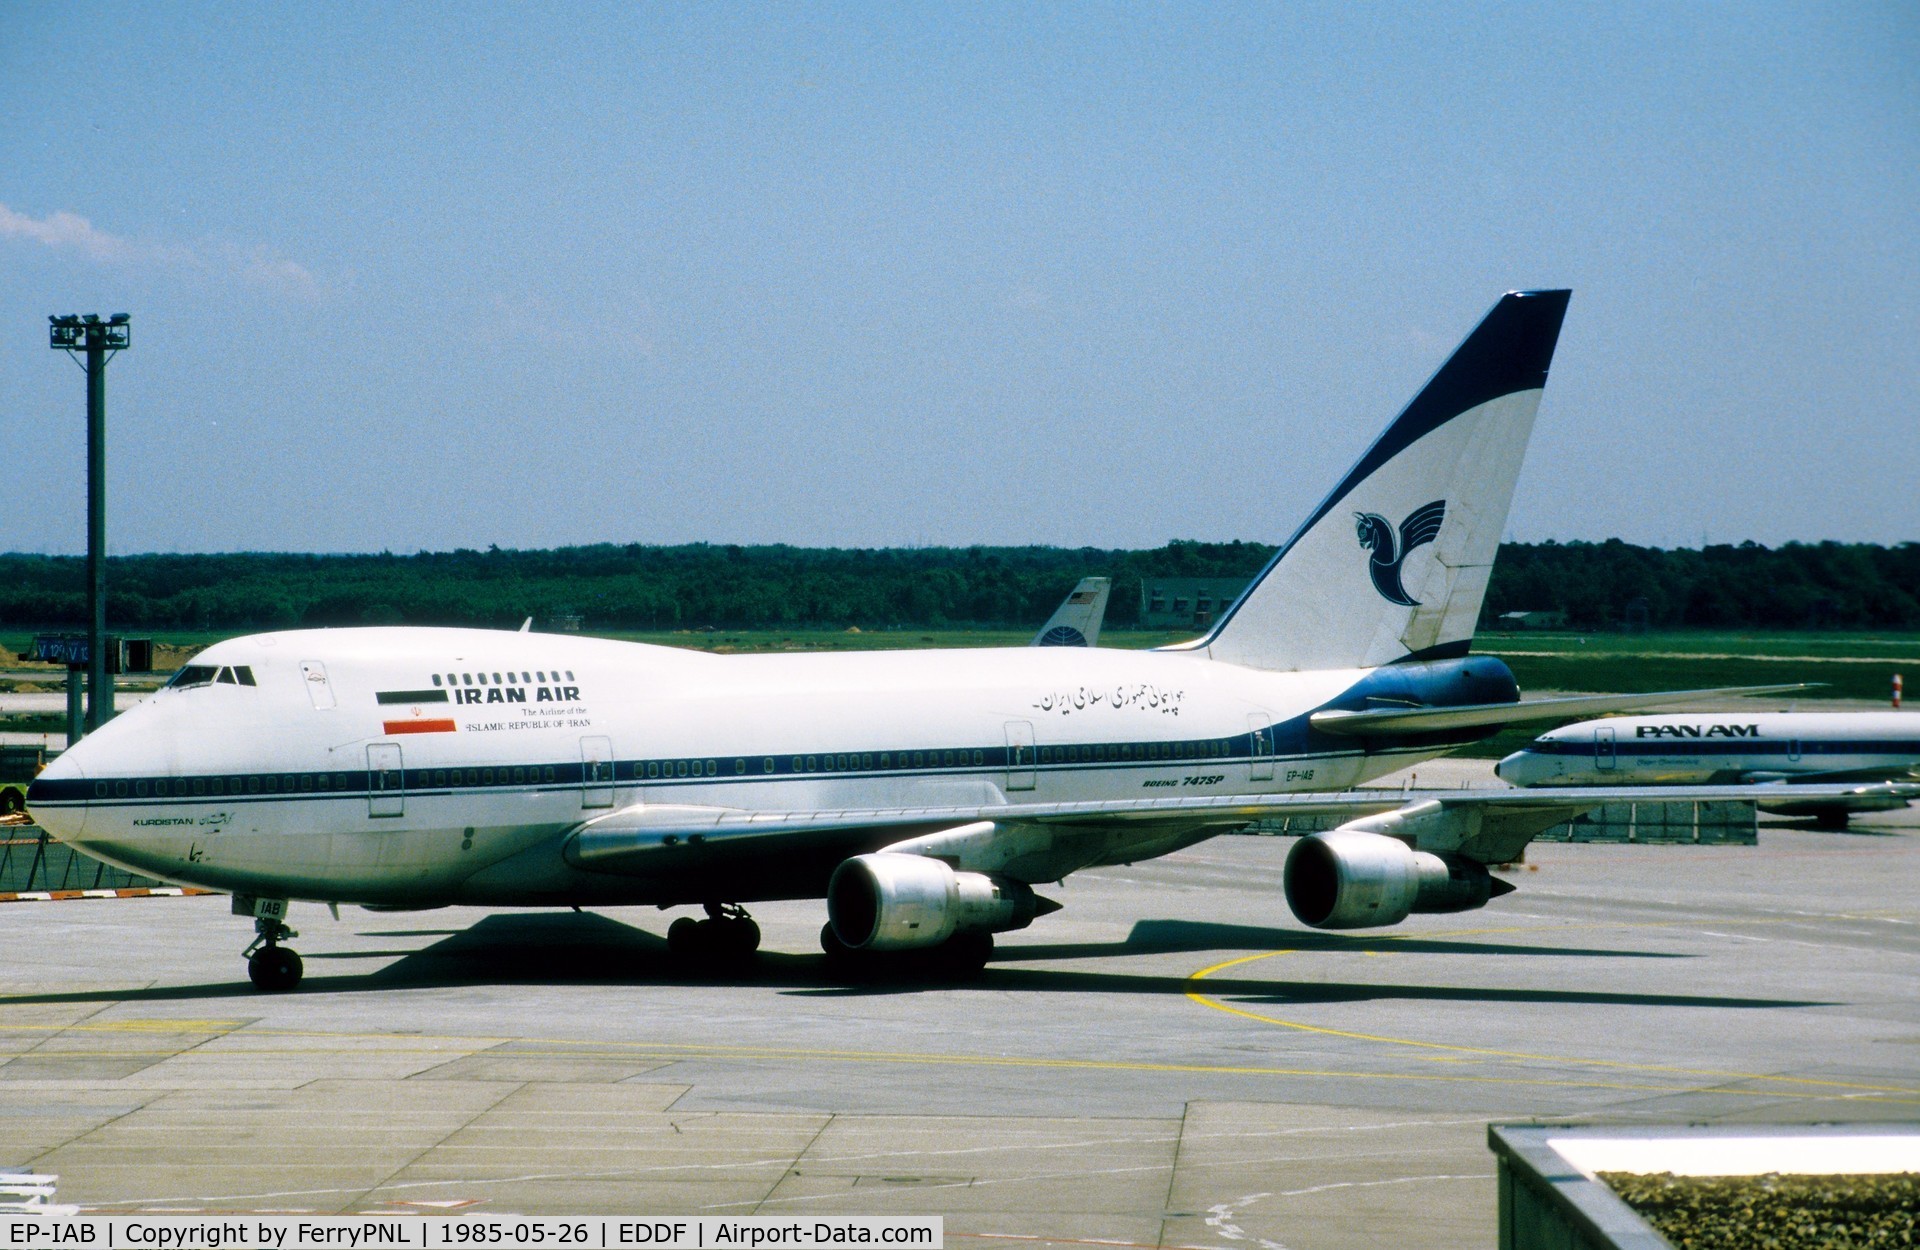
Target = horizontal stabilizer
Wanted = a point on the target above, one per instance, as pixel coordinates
(1397, 720)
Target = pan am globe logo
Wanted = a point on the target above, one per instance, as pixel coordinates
(1390, 551)
(1063, 636)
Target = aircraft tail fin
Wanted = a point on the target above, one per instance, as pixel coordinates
(1394, 563)
(1076, 622)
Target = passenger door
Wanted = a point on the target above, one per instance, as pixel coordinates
(596, 771)
(1603, 757)
(386, 780)
(1260, 730)
(1020, 755)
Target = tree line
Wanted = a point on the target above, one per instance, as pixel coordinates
(1598, 585)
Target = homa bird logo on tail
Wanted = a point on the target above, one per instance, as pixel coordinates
(1421, 526)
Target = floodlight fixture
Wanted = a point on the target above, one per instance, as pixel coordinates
(87, 333)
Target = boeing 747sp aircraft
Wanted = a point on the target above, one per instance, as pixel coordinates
(924, 795)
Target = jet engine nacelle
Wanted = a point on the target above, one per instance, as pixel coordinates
(1350, 879)
(889, 902)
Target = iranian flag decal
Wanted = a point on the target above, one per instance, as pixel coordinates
(418, 722)
(422, 726)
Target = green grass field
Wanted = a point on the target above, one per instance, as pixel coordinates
(1849, 666)
(738, 640)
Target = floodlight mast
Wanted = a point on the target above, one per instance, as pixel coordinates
(98, 339)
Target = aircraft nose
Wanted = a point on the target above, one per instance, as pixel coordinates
(57, 798)
(1522, 768)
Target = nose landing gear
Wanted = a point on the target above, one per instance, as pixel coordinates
(271, 967)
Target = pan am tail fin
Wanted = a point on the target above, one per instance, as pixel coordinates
(1076, 622)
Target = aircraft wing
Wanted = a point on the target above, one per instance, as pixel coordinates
(1046, 841)
(1788, 795)
(1398, 720)
(1864, 778)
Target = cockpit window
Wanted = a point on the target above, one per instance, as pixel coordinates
(207, 675)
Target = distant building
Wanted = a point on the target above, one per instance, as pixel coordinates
(1531, 620)
(1187, 602)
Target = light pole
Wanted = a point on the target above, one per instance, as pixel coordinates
(98, 340)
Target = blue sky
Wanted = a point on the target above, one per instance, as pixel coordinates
(413, 277)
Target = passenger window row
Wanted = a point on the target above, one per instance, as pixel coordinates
(890, 761)
(1124, 752)
(357, 780)
(519, 776)
(480, 679)
(352, 780)
(221, 787)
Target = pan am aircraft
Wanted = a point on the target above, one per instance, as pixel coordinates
(1874, 754)
(923, 795)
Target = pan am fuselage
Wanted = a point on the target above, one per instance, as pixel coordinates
(1704, 749)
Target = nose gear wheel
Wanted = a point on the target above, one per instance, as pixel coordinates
(271, 967)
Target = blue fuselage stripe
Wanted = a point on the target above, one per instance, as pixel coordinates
(1723, 746)
(358, 784)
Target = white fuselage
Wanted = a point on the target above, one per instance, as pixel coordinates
(1719, 747)
(411, 766)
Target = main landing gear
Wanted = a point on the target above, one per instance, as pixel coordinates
(727, 935)
(961, 957)
(271, 967)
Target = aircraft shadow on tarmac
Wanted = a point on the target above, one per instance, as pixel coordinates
(1150, 937)
(565, 948)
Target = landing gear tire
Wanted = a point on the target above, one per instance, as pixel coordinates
(964, 955)
(961, 957)
(739, 935)
(838, 953)
(683, 938)
(271, 967)
(727, 935)
(275, 969)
